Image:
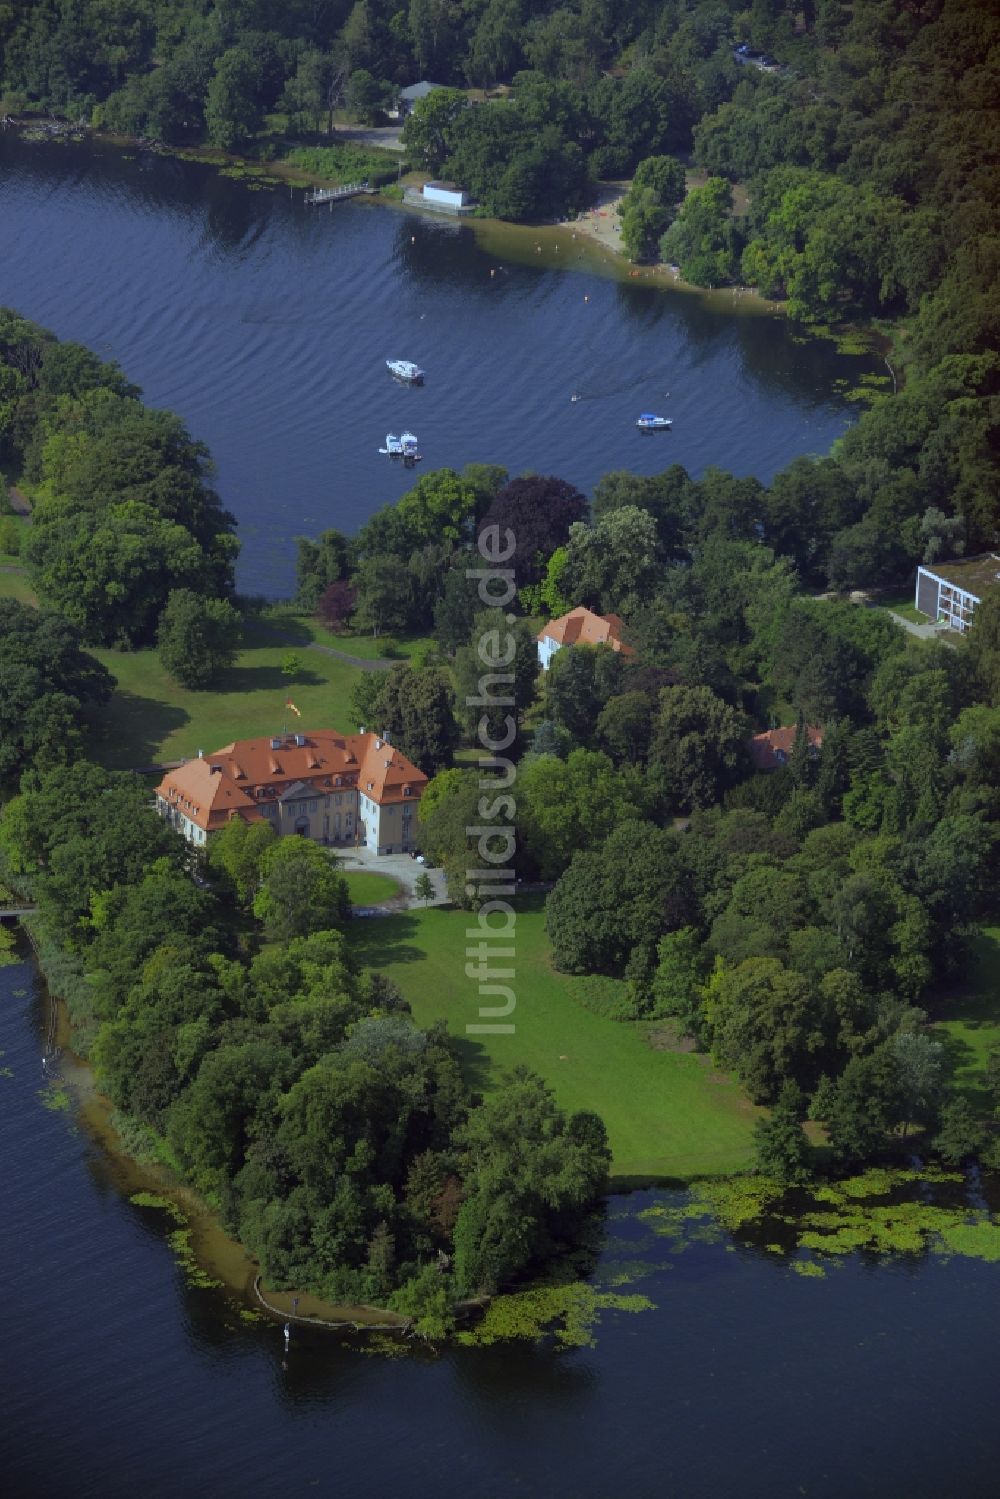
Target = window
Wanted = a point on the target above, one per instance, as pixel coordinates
(312, 806)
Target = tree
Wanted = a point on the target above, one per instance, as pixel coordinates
(500, 664)
(78, 830)
(960, 1134)
(417, 715)
(238, 851)
(364, 97)
(677, 990)
(613, 565)
(318, 563)
(336, 604)
(430, 126)
(538, 512)
(232, 107)
(301, 891)
(423, 887)
(780, 1145)
(291, 666)
(702, 239)
(617, 898)
(658, 186)
(767, 1023)
(580, 680)
(528, 1170)
(198, 638)
(565, 805)
(697, 745)
(49, 689)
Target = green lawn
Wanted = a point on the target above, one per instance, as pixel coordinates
(366, 647)
(15, 585)
(669, 1116)
(370, 889)
(151, 718)
(974, 1027)
(904, 606)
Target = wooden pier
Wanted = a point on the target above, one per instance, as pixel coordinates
(334, 194)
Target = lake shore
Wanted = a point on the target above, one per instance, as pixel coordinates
(205, 1252)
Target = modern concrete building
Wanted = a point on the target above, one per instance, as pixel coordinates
(948, 592)
(344, 790)
(581, 627)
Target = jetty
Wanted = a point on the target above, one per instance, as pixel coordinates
(334, 194)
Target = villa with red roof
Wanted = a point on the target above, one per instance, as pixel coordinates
(772, 749)
(340, 789)
(581, 627)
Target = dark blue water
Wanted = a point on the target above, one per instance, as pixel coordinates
(118, 1379)
(266, 324)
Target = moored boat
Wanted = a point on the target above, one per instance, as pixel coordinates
(405, 369)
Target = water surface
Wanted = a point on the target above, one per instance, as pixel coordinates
(119, 1379)
(266, 324)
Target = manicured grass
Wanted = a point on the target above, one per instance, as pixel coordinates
(366, 647)
(15, 585)
(669, 1116)
(152, 719)
(973, 1027)
(904, 606)
(370, 889)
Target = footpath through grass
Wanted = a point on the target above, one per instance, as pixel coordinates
(669, 1116)
(973, 1027)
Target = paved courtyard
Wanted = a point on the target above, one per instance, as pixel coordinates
(400, 867)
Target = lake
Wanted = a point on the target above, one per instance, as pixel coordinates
(266, 323)
(121, 1379)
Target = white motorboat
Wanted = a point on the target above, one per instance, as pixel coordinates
(650, 423)
(404, 369)
(405, 446)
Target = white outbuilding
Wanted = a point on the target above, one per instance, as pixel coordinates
(446, 195)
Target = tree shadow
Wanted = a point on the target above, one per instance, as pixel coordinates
(265, 679)
(474, 1061)
(377, 941)
(130, 732)
(964, 1069)
(269, 632)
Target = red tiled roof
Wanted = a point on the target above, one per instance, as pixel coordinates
(583, 627)
(235, 778)
(772, 749)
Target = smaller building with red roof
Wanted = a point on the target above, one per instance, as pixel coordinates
(340, 789)
(581, 627)
(773, 749)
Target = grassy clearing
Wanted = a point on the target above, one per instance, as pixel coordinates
(669, 1116)
(370, 889)
(973, 1028)
(903, 605)
(366, 647)
(151, 718)
(15, 585)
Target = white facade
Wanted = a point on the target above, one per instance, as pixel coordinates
(446, 194)
(944, 602)
(547, 648)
